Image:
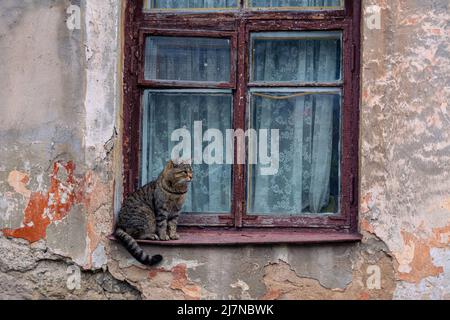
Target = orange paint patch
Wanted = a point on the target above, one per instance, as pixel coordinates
(180, 279)
(181, 282)
(35, 224)
(272, 294)
(366, 226)
(192, 292)
(364, 296)
(54, 205)
(436, 32)
(19, 180)
(422, 264)
(365, 202)
(441, 237)
(365, 95)
(154, 272)
(410, 21)
(91, 204)
(25, 180)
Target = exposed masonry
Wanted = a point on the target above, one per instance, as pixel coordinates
(60, 170)
(33, 272)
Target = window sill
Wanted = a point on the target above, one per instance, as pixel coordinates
(260, 237)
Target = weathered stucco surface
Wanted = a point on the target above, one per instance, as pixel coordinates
(60, 172)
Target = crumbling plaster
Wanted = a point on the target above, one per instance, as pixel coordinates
(60, 170)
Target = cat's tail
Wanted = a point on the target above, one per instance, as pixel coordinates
(135, 250)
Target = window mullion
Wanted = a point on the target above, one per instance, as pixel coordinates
(240, 101)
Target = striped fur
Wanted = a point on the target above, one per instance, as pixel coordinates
(152, 212)
(135, 250)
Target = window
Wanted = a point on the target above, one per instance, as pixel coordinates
(295, 4)
(280, 75)
(190, 4)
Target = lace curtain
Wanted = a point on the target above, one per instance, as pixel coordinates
(164, 112)
(309, 123)
(187, 59)
(177, 4)
(309, 153)
(295, 3)
(308, 120)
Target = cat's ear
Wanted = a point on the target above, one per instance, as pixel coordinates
(170, 164)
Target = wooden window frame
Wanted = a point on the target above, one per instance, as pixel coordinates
(237, 25)
(173, 84)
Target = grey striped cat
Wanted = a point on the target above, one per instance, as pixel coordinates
(151, 213)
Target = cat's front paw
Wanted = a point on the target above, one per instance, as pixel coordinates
(152, 237)
(164, 237)
(174, 237)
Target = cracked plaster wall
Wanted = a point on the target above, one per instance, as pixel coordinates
(60, 172)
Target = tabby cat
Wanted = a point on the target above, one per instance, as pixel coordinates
(151, 213)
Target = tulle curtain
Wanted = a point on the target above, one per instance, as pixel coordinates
(181, 4)
(308, 120)
(295, 3)
(309, 125)
(187, 59)
(190, 4)
(164, 112)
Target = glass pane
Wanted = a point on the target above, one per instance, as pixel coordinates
(166, 111)
(296, 56)
(307, 181)
(190, 4)
(187, 59)
(316, 4)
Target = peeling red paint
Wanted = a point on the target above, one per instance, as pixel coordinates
(92, 203)
(25, 179)
(364, 296)
(422, 265)
(366, 226)
(365, 203)
(272, 294)
(179, 281)
(18, 181)
(154, 272)
(44, 209)
(179, 276)
(35, 224)
(441, 237)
